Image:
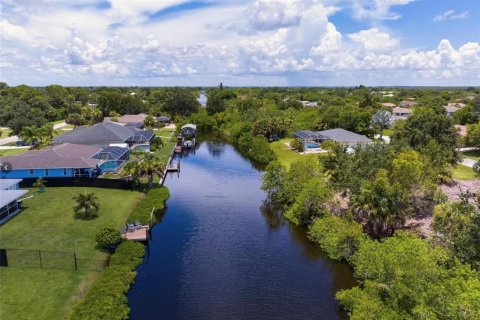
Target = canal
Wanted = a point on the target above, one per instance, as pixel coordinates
(219, 253)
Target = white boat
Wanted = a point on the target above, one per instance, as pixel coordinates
(188, 144)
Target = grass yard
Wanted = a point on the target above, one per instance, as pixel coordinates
(473, 154)
(48, 223)
(388, 132)
(462, 172)
(5, 133)
(164, 153)
(285, 155)
(41, 293)
(12, 152)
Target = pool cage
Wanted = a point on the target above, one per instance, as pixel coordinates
(140, 137)
(113, 158)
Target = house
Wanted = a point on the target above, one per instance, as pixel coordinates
(309, 104)
(342, 136)
(451, 109)
(65, 161)
(164, 119)
(388, 104)
(456, 104)
(132, 120)
(9, 195)
(407, 104)
(401, 112)
(105, 134)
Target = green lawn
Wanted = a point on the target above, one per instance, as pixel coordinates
(164, 153)
(41, 293)
(388, 132)
(462, 172)
(285, 155)
(48, 223)
(473, 154)
(12, 152)
(5, 133)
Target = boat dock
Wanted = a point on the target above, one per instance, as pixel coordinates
(173, 167)
(137, 234)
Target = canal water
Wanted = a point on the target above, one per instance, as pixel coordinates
(219, 253)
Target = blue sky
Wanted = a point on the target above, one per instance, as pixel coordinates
(247, 43)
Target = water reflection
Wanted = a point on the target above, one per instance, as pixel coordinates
(273, 216)
(216, 148)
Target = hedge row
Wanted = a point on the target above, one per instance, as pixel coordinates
(106, 299)
(155, 198)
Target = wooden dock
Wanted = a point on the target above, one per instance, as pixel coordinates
(139, 234)
(173, 167)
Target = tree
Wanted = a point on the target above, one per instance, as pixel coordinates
(31, 135)
(40, 183)
(312, 202)
(427, 124)
(148, 167)
(381, 120)
(404, 277)
(108, 238)
(459, 224)
(298, 145)
(377, 203)
(338, 237)
(473, 135)
(273, 182)
(260, 150)
(181, 101)
(149, 122)
(46, 133)
(215, 103)
(86, 205)
(75, 119)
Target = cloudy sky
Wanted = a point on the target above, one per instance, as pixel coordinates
(240, 42)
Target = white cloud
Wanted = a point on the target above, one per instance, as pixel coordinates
(374, 40)
(376, 9)
(281, 41)
(451, 15)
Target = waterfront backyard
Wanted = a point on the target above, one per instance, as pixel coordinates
(48, 223)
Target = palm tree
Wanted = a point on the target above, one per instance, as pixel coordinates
(86, 206)
(46, 132)
(30, 134)
(148, 167)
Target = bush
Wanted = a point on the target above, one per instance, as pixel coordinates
(106, 299)
(260, 150)
(156, 144)
(338, 237)
(313, 201)
(155, 198)
(298, 145)
(108, 238)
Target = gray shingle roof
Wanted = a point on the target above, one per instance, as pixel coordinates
(60, 156)
(101, 134)
(342, 135)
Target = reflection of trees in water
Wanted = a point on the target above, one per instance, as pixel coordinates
(216, 148)
(342, 273)
(273, 216)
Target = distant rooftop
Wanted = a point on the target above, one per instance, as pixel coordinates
(342, 135)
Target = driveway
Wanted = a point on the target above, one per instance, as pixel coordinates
(468, 162)
(8, 140)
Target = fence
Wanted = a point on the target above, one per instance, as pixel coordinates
(21, 258)
(82, 182)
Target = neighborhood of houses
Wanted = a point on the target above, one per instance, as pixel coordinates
(87, 152)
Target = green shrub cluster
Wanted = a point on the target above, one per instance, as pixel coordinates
(106, 299)
(338, 237)
(108, 238)
(155, 198)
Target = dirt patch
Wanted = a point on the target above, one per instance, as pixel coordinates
(454, 189)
